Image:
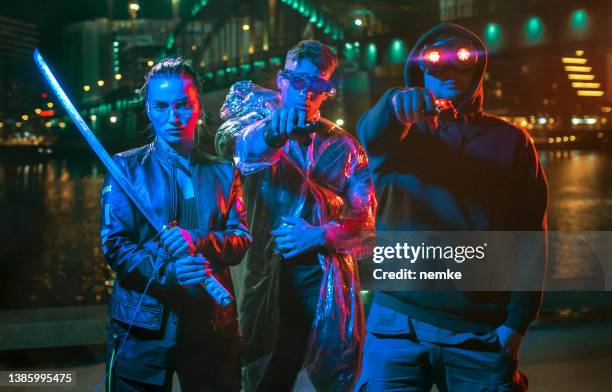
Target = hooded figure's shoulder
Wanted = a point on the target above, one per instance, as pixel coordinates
(506, 129)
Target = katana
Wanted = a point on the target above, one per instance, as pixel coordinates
(211, 284)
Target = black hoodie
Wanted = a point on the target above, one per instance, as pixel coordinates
(475, 173)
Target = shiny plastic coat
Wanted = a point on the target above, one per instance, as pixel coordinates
(325, 182)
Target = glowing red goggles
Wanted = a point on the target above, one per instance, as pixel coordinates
(434, 58)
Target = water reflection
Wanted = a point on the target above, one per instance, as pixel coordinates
(49, 229)
(49, 225)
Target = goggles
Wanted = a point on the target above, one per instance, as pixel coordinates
(439, 56)
(303, 82)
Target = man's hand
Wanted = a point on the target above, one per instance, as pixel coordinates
(178, 242)
(285, 121)
(296, 236)
(510, 340)
(192, 270)
(414, 104)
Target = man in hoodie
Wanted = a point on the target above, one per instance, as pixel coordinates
(453, 170)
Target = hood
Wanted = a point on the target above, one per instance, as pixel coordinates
(413, 76)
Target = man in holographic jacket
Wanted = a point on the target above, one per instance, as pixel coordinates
(311, 207)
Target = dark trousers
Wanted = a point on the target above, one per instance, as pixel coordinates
(203, 360)
(403, 354)
(297, 311)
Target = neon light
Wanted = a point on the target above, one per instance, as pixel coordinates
(590, 93)
(577, 68)
(573, 60)
(580, 77)
(585, 85)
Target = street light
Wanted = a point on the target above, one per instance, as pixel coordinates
(358, 22)
(49, 105)
(86, 87)
(133, 8)
(150, 63)
(113, 119)
(246, 27)
(118, 76)
(100, 83)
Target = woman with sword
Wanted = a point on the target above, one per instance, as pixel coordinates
(162, 319)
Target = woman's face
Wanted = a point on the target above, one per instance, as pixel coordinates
(173, 108)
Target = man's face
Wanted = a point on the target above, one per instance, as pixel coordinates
(453, 75)
(304, 99)
(450, 83)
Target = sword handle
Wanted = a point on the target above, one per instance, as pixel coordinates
(216, 290)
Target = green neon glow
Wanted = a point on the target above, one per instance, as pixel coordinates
(370, 56)
(579, 20)
(492, 34)
(397, 52)
(534, 29)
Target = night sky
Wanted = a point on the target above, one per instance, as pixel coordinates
(52, 15)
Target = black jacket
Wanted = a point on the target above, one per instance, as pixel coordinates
(130, 246)
(475, 173)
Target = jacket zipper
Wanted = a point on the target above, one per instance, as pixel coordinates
(196, 194)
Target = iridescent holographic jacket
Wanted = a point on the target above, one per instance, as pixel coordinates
(324, 182)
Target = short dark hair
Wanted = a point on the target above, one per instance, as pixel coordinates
(170, 66)
(317, 52)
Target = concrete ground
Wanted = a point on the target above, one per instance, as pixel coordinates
(560, 355)
(568, 358)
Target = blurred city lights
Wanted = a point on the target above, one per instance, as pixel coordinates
(18, 124)
(113, 119)
(585, 85)
(579, 20)
(92, 117)
(86, 87)
(340, 122)
(579, 52)
(534, 29)
(25, 117)
(573, 60)
(580, 77)
(150, 63)
(246, 27)
(577, 68)
(492, 35)
(358, 22)
(37, 110)
(118, 76)
(590, 93)
(134, 7)
(100, 83)
(49, 105)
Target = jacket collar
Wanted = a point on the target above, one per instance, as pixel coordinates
(168, 155)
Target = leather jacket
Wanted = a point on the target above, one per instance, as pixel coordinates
(130, 245)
